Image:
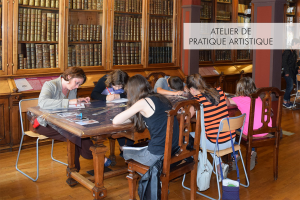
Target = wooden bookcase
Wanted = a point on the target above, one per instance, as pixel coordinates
(225, 11)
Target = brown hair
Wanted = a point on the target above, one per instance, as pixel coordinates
(197, 82)
(138, 88)
(245, 87)
(74, 72)
(117, 77)
(175, 83)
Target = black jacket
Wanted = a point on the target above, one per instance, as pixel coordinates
(289, 63)
(149, 185)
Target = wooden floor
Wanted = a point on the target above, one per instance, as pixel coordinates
(52, 181)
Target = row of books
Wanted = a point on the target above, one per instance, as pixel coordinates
(35, 25)
(161, 29)
(126, 53)
(223, 15)
(85, 32)
(205, 11)
(127, 28)
(224, 1)
(39, 56)
(244, 19)
(205, 55)
(243, 54)
(86, 4)
(160, 55)
(85, 55)
(161, 7)
(223, 55)
(242, 8)
(40, 3)
(134, 6)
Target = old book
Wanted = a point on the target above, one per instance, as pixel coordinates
(44, 27)
(48, 28)
(98, 31)
(74, 4)
(151, 30)
(85, 3)
(56, 56)
(56, 3)
(125, 28)
(131, 25)
(94, 32)
(73, 61)
(48, 3)
(89, 4)
(28, 25)
(127, 53)
(96, 62)
(52, 56)
(78, 55)
(116, 5)
(94, 4)
(38, 28)
(91, 32)
(20, 2)
(39, 55)
(28, 56)
(79, 4)
(25, 63)
(162, 30)
(91, 54)
(53, 27)
(87, 55)
(136, 53)
(123, 53)
(126, 6)
(56, 26)
(100, 53)
(77, 33)
(20, 26)
(69, 56)
(158, 29)
(32, 53)
(25, 2)
(46, 56)
(132, 55)
(82, 55)
(83, 32)
(52, 3)
(118, 61)
(74, 33)
(70, 31)
(21, 61)
(32, 25)
(80, 32)
(43, 3)
(87, 33)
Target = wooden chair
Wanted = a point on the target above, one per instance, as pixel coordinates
(272, 139)
(154, 76)
(23, 107)
(167, 173)
(235, 123)
(298, 90)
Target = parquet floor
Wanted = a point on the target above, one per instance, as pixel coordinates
(51, 183)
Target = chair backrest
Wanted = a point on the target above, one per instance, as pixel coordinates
(154, 76)
(24, 104)
(182, 111)
(267, 94)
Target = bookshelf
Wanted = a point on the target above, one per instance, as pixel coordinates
(290, 11)
(1, 50)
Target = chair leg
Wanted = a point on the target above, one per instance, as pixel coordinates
(193, 183)
(54, 158)
(247, 180)
(37, 160)
(132, 180)
(112, 156)
(275, 162)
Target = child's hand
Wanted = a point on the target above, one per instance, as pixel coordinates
(110, 97)
(178, 93)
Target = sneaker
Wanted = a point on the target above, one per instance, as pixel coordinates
(287, 105)
(252, 160)
(107, 163)
(291, 104)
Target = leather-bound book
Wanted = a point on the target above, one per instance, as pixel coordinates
(52, 56)
(46, 56)
(28, 56)
(39, 55)
(91, 56)
(100, 53)
(21, 61)
(53, 31)
(82, 55)
(78, 55)
(87, 54)
(49, 23)
(96, 59)
(33, 56)
(20, 25)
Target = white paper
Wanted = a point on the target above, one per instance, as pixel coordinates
(81, 105)
(122, 100)
(86, 122)
(22, 84)
(134, 148)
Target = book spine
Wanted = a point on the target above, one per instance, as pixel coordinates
(69, 56)
(77, 33)
(52, 56)
(136, 53)
(32, 24)
(74, 4)
(89, 4)
(20, 20)
(94, 4)
(123, 53)
(28, 25)
(87, 32)
(98, 33)
(127, 53)
(163, 30)
(21, 2)
(79, 4)
(118, 60)
(56, 26)
(39, 55)
(52, 3)
(74, 33)
(85, 3)
(78, 55)
(33, 56)
(56, 3)
(91, 56)
(53, 27)
(73, 62)
(44, 26)
(100, 53)
(56, 55)
(91, 33)
(125, 28)
(84, 32)
(25, 2)
(43, 3)
(87, 55)
(80, 32)
(132, 55)
(46, 56)
(21, 61)
(82, 55)
(28, 56)
(48, 3)
(39, 25)
(96, 63)
(25, 63)
(49, 23)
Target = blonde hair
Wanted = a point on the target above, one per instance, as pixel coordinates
(245, 87)
(197, 82)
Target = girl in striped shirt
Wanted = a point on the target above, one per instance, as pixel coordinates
(215, 109)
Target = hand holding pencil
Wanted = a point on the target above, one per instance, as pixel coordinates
(112, 96)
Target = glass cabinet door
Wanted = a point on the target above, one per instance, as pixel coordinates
(37, 36)
(127, 33)
(85, 27)
(160, 32)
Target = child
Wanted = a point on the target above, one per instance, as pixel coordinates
(169, 85)
(245, 87)
(110, 87)
(147, 109)
(215, 109)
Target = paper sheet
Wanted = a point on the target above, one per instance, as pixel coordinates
(22, 84)
(122, 100)
(81, 105)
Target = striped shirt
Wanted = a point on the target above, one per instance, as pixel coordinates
(213, 114)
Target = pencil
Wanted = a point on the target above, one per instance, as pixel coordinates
(108, 90)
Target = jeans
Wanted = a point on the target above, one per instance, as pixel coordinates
(142, 156)
(289, 88)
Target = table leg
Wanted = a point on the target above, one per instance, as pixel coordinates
(98, 150)
(71, 164)
(112, 155)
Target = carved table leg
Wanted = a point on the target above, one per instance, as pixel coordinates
(71, 164)
(98, 150)
(112, 156)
